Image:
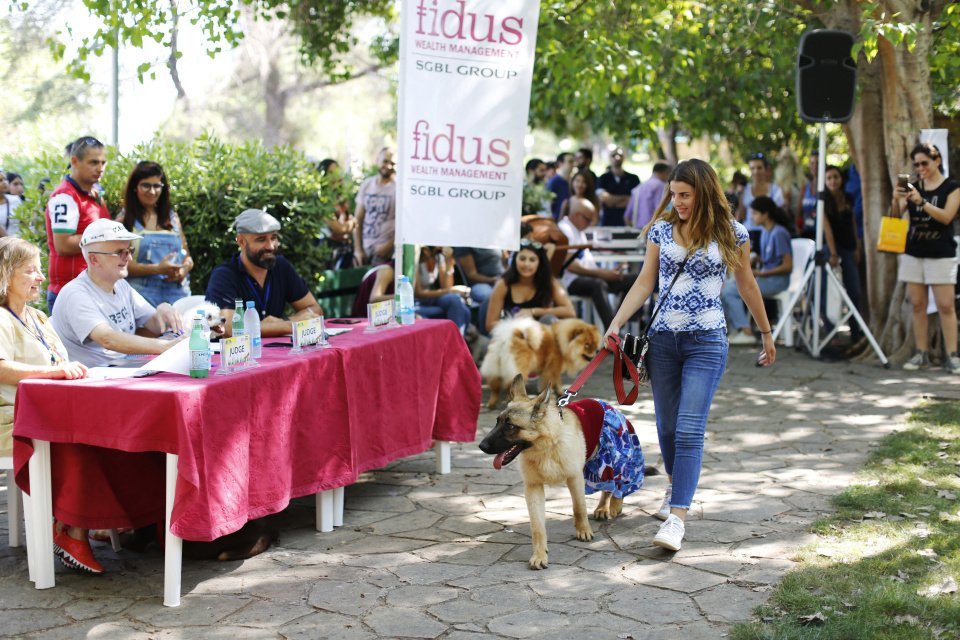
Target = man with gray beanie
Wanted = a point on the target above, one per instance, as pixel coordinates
(259, 274)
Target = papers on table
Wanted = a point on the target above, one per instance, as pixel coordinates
(176, 359)
(109, 373)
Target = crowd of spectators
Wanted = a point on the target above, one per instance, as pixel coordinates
(113, 280)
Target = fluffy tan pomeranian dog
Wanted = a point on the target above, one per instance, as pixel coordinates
(526, 347)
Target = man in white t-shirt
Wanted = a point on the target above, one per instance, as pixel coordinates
(584, 277)
(97, 313)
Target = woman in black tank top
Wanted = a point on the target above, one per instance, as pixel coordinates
(930, 257)
(527, 289)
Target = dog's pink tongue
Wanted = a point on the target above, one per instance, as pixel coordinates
(498, 460)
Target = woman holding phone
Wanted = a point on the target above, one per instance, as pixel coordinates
(930, 257)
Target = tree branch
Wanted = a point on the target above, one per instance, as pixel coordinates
(300, 89)
(172, 60)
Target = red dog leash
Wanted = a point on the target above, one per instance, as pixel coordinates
(613, 342)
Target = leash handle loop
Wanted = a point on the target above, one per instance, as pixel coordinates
(613, 346)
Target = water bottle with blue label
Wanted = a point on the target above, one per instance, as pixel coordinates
(405, 292)
(251, 323)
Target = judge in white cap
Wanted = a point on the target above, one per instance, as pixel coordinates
(260, 274)
(97, 313)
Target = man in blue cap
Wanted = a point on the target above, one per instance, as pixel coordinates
(260, 274)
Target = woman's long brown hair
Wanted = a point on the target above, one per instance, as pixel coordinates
(711, 217)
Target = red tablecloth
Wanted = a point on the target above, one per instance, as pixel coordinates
(250, 442)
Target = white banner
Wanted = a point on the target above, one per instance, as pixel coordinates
(465, 72)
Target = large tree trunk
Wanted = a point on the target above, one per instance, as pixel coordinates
(894, 104)
(668, 143)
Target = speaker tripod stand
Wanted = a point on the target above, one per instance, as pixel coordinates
(809, 328)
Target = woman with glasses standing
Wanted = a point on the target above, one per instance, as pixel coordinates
(930, 258)
(527, 289)
(161, 260)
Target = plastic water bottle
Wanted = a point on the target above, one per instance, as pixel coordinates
(199, 349)
(236, 327)
(405, 292)
(251, 322)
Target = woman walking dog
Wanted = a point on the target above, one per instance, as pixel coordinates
(698, 237)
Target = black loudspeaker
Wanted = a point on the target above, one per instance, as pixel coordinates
(826, 76)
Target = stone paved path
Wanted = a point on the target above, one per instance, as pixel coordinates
(425, 556)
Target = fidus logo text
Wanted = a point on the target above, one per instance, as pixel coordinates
(451, 147)
(452, 20)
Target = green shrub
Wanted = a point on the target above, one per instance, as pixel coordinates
(211, 182)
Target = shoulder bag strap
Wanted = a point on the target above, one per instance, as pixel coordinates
(663, 296)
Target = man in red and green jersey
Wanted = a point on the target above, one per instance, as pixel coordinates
(71, 207)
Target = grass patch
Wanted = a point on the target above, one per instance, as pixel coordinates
(887, 563)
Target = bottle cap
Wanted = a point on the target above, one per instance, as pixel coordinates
(250, 304)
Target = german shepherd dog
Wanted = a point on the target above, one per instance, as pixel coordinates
(554, 452)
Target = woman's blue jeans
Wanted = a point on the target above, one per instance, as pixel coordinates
(733, 305)
(450, 306)
(685, 369)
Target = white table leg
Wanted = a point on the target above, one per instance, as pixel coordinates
(14, 511)
(442, 450)
(173, 557)
(338, 507)
(31, 539)
(41, 510)
(324, 506)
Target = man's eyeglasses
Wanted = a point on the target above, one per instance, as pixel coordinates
(758, 156)
(122, 253)
(151, 186)
(531, 244)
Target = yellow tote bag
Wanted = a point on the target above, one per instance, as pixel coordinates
(893, 234)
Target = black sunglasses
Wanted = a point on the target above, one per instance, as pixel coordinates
(533, 244)
(83, 143)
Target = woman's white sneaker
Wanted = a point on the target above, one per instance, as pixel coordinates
(670, 535)
(664, 511)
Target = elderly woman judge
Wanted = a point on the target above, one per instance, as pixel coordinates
(30, 348)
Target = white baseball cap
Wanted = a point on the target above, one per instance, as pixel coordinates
(106, 230)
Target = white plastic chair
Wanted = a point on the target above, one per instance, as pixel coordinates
(14, 502)
(802, 250)
(588, 311)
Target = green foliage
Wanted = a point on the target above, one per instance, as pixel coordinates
(880, 567)
(536, 199)
(631, 68)
(324, 28)
(210, 184)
